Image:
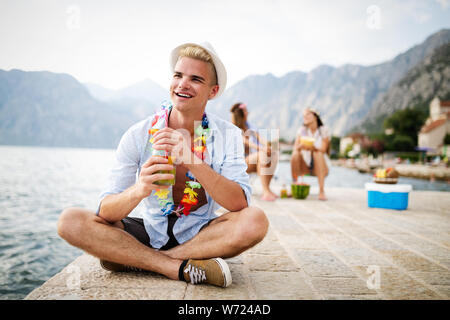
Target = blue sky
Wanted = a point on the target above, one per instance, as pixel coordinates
(118, 43)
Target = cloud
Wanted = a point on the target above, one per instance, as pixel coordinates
(422, 17)
(252, 37)
(444, 3)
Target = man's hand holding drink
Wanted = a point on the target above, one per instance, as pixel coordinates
(152, 171)
(176, 143)
(170, 147)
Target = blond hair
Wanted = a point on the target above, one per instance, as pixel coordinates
(197, 52)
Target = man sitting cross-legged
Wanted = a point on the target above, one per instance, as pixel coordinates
(180, 235)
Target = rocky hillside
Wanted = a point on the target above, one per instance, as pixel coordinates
(50, 109)
(343, 95)
(417, 88)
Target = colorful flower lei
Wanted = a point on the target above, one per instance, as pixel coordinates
(190, 197)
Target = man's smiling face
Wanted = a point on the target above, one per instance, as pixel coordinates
(192, 84)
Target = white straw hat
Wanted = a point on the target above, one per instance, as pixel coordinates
(220, 68)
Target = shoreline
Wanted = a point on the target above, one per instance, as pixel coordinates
(418, 171)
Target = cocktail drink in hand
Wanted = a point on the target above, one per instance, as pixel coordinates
(163, 153)
(307, 141)
(168, 182)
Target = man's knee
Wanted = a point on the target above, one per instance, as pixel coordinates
(71, 223)
(254, 226)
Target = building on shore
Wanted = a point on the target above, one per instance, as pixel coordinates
(353, 140)
(436, 127)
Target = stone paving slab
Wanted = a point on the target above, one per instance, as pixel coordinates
(338, 285)
(276, 285)
(337, 249)
(322, 264)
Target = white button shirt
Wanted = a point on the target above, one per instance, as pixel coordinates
(225, 155)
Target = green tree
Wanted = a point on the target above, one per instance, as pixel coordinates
(403, 143)
(406, 122)
(335, 141)
(447, 139)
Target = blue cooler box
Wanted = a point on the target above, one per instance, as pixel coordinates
(388, 196)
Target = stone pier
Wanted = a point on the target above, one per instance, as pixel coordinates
(335, 249)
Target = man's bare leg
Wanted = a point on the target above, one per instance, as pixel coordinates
(226, 236)
(83, 229)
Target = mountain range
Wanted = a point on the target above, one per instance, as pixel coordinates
(51, 109)
(344, 96)
(54, 109)
(428, 79)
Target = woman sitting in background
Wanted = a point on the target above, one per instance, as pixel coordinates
(258, 154)
(310, 150)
